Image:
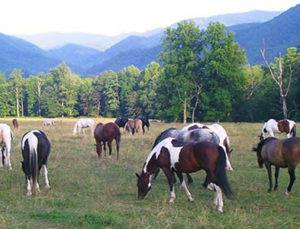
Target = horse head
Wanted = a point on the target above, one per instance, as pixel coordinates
(143, 184)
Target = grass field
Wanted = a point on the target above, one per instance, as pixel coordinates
(90, 193)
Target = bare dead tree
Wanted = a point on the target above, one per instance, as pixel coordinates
(277, 76)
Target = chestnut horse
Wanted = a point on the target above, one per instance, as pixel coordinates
(282, 126)
(130, 127)
(173, 156)
(138, 125)
(280, 153)
(15, 123)
(145, 122)
(107, 133)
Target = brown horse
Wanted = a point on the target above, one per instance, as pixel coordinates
(280, 153)
(130, 127)
(15, 123)
(107, 133)
(173, 156)
(138, 125)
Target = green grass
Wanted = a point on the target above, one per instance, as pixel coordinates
(90, 193)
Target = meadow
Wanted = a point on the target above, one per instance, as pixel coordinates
(87, 192)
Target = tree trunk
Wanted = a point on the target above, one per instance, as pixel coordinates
(22, 108)
(184, 111)
(284, 106)
(39, 97)
(17, 101)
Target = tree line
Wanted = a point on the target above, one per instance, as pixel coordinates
(199, 76)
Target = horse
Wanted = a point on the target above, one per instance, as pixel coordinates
(272, 126)
(48, 122)
(121, 122)
(192, 136)
(145, 122)
(130, 126)
(222, 134)
(6, 136)
(35, 148)
(81, 124)
(15, 123)
(280, 153)
(173, 156)
(107, 133)
(138, 124)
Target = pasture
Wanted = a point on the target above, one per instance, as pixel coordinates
(87, 192)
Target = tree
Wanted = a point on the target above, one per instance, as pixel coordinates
(282, 72)
(16, 81)
(180, 58)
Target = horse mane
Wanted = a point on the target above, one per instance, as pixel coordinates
(262, 142)
(158, 138)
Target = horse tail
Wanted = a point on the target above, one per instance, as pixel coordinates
(294, 130)
(33, 158)
(133, 130)
(221, 173)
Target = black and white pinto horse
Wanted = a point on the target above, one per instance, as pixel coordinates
(188, 136)
(282, 126)
(173, 156)
(35, 151)
(6, 136)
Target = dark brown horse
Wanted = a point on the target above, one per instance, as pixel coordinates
(280, 153)
(173, 156)
(15, 123)
(107, 133)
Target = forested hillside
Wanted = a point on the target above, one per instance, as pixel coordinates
(201, 76)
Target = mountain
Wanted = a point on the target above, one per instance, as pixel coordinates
(137, 57)
(73, 54)
(17, 53)
(275, 35)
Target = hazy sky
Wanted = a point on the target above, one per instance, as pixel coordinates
(111, 17)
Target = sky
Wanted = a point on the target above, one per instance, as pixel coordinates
(113, 17)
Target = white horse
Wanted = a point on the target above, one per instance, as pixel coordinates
(6, 136)
(272, 126)
(48, 122)
(221, 133)
(81, 124)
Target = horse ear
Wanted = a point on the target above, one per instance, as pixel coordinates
(137, 175)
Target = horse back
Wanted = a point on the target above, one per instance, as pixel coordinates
(109, 132)
(291, 150)
(272, 152)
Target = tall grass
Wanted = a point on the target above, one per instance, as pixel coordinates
(87, 192)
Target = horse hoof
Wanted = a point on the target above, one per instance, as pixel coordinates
(47, 186)
(210, 187)
(29, 193)
(269, 190)
(171, 201)
(191, 200)
(220, 211)
(287, 193)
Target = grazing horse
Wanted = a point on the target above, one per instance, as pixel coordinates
(171, 155)
(48, 122)
(121, 122)
(15, 123)
(35, 151)
(130, 127)
(280, 153)
(192, 136)
(222, 134)
(6, 136)
(138, 124)
(81, 124)
(107, 133)
(272, 126)
(145, 122)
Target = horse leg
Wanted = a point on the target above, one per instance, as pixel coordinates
(170, 176)
(269, 170)
(292, 180)
(109, 147)
(182, 182)
(207, 184)
(7, 157)
(155, 174)
(104, 148)
(28, 186)
(117, 147)
(46, 176)
(218, 200)
(276, 177)
(2, 156)
(190, 179)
